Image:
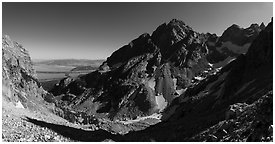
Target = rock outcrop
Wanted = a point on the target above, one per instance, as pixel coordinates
(250, 123)
(19, 83)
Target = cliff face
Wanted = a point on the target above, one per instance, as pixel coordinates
(19, 83)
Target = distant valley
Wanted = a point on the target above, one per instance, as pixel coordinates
(49, 72)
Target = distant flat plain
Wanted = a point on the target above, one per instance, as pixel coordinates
(49, 72)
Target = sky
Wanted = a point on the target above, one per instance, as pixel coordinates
(96, 30)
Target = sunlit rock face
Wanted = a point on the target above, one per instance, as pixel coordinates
(19, 82)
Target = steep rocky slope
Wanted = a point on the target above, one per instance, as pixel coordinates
(23, 97)
(244, 122)
(235, 104)
(19, 83)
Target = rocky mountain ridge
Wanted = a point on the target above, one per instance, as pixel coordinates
(145, 76)
(235, 104)
(233, 42)
(142, 77)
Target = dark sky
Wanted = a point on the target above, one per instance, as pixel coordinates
(95, 30)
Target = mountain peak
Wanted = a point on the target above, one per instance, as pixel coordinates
(234, 26)
(179, 23)
(168, 34)
(261, 50)
(254, 25)
(176, 22)
(262, 26)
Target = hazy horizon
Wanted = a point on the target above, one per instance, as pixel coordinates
(45, 59)
(96, 30)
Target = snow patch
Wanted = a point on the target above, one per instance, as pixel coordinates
(154, 116)
(152, 83)
(19, 105)
(198, 78)
(181, 91)
(211, 65)
(161, 102)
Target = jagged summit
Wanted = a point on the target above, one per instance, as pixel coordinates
(262, 26)
(255, 65)
(233, 42)
(261, 51)
(168, 34)
(179, 23)
(176, 21)
(239, 36)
